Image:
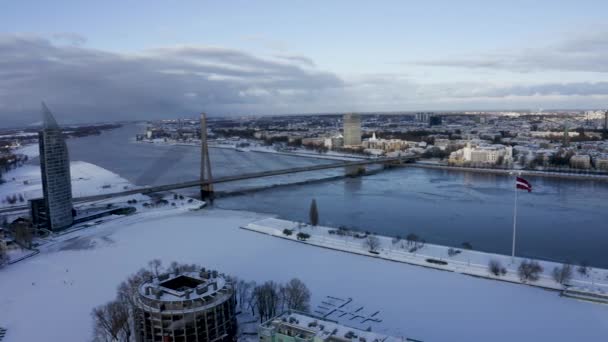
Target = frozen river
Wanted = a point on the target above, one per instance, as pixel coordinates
(564, 220)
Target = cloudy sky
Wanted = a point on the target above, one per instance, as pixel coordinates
(108, 60)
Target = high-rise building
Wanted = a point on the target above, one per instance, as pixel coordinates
(186, 306)
(55, 171)
(352, 129)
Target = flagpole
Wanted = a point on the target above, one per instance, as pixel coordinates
(514, 221)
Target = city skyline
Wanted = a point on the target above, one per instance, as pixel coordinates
(274, 58)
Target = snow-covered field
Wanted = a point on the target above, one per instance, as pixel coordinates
(87, 179)
(50, 296)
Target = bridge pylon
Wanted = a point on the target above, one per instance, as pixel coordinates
(206, 176)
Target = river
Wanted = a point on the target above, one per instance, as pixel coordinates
(562, 219)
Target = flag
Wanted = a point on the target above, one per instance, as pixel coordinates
(523, 184)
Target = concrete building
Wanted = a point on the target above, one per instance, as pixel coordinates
(385, 145)
(55, 170)
(486, 154)
(334, 142)
(601, 162)
(580, 161)
(352, 129)
(187, 307)
(423, 116)
(293, 326)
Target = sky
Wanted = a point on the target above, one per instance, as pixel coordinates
(94, 61)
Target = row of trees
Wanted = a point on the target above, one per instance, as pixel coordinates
(530, 271)
(271, 298)
(12, 199)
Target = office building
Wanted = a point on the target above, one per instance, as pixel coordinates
(56, 213)
(352, 130)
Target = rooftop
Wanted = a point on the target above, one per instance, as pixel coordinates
(308, 327)
(183, 286)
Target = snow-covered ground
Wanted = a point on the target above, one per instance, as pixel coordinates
(50, 296)
(464, 261)
(31, 150)
(87, 179)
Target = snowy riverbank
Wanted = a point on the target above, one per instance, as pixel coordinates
(25, 182)
(81, 270)
(458, 260)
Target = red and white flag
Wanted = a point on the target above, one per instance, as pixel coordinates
(523, 184)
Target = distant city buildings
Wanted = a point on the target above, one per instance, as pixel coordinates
(195, 306)
(428, 118)
(352, 130)
(483, 154)
(377, 146)
(293, 326)
(544, 140)
(423, 116)
(57, 211)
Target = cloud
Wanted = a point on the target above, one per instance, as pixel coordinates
(303, 60)
(586, 53)
(82, 84)
(70, 38)
(549, 89)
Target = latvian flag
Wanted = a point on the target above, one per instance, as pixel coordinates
(523, 184)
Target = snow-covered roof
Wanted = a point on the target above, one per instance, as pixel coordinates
(183, 286)
(307, 326)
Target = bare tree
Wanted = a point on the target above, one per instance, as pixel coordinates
(267, 300)
(155, 266)
(173, 267)
(109, 322)
(23, 235)
(244, 291)
(584, 268)
(529, 270)
(372, 243)
(296, 295)
(313, 213)
(3, 255)
(496, 268)
(562, 274)
(250, 299)
(411, 238)
(127, 295)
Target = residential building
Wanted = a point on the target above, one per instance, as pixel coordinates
(580, 161)
(483, 154)
(187, 306)
(601, 162)
(294, 326)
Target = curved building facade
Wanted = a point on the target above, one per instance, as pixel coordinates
(55, 171)
(186, 307)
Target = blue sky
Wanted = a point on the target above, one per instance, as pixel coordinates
(337, 55)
